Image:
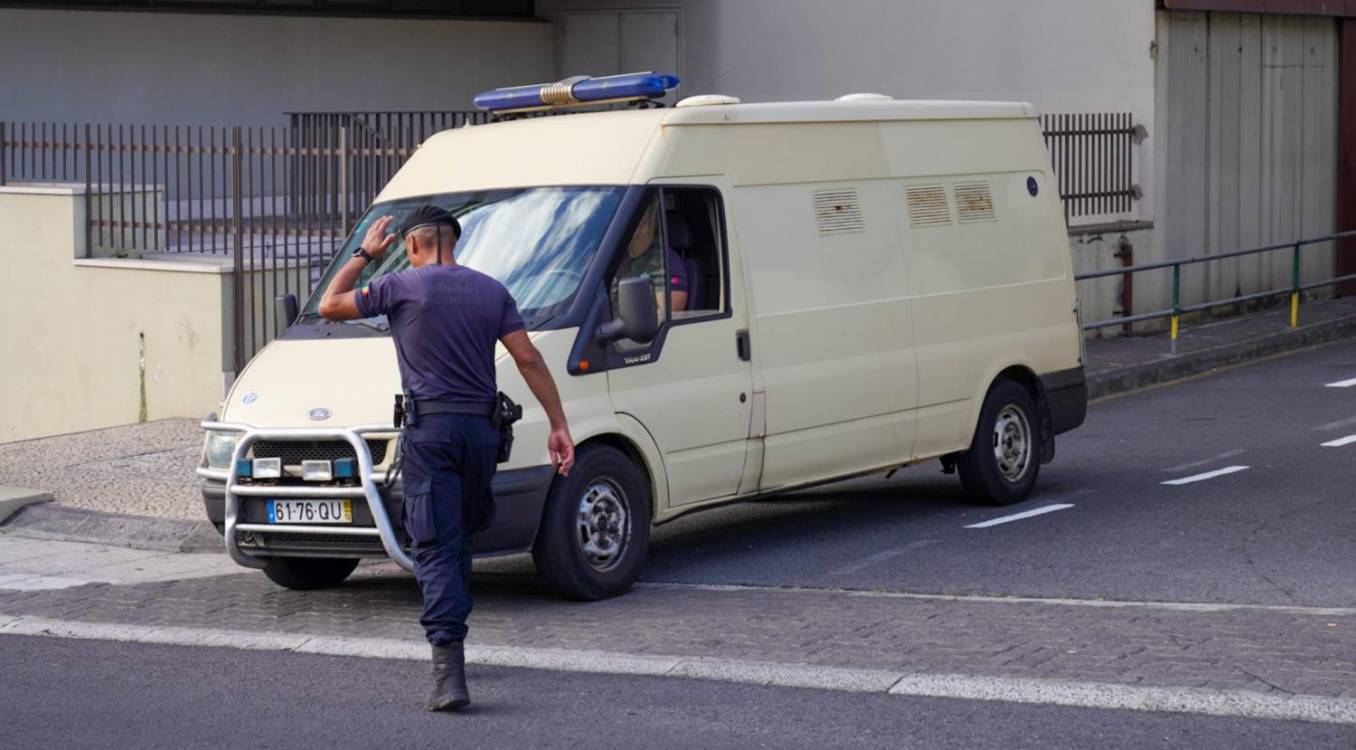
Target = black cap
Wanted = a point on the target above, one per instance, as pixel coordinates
(429, 215)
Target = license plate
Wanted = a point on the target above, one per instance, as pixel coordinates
(310, 511)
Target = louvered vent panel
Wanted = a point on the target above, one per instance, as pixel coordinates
(974, 202)
(838, 211)
(928, 206)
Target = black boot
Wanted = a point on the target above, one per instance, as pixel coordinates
(449, 679)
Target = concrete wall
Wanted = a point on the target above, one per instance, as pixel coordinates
(1061, 55)
(86, 66)
(91, 343)
(1094, 248)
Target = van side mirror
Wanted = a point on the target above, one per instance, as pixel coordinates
(637, 318)
(285, 310)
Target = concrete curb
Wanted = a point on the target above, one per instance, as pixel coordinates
(65, 524)
(15, 499)
(1076, 693)
(1170, 369)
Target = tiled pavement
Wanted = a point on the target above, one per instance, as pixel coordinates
(1276, 651)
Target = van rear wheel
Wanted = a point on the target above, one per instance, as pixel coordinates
(1001, 466)
(308, 573)
(596, 526)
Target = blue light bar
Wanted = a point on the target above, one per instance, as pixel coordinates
(580, 90)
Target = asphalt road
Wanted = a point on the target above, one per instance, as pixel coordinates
(1279, 532)
(76, 694)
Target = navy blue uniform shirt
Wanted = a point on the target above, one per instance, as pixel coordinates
(445, 321)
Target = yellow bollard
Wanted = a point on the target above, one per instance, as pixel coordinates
(1174, 334)
(1294, 309)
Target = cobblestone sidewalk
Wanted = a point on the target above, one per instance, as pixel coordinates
(144, 469)
(1271, 651)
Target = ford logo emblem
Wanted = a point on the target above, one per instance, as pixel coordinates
(319, 415)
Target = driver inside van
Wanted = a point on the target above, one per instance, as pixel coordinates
(644, 256)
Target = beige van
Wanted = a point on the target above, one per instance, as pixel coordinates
(871, 283)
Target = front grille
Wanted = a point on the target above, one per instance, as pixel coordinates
(293, 452)
(283, 538)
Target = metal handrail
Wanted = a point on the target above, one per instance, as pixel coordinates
(1177, 310)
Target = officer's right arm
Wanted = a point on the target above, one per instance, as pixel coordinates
(538, 376)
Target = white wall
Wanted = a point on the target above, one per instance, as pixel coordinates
(93, 343)
(247, 70)
(1061, 55)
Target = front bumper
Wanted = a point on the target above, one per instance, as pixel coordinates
(239, 510)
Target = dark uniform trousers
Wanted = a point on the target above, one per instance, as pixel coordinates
(450, 461)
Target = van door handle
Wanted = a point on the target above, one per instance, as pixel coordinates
(742, 347)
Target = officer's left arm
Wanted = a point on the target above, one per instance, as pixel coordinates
(340, 301)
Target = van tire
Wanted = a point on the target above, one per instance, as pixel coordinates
(1010, 416)
(308, 573)
(605, 496)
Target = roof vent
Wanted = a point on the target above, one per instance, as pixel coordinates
(708, 100)
(865, 97)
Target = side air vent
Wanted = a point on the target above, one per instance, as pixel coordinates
(974, 202)
(838, 211)
(928, 206)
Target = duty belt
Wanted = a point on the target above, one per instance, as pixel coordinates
(428, 408)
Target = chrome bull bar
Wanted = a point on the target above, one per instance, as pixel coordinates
(367, 489)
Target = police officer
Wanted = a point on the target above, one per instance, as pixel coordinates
(445, 319)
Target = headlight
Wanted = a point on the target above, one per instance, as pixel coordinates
(220, 447)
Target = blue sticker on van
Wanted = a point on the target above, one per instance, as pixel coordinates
(249, 398)
(1032, 187)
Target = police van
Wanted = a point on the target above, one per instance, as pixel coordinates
(863, 284)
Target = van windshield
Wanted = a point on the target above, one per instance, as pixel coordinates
(536, 241)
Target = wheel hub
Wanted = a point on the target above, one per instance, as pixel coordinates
(604, 524)
(1012, 443)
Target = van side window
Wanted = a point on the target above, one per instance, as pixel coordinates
(692, 231)
(676, 241)
(643, 255)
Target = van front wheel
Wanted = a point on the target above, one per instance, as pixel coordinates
(596, 526)
(1001, 465)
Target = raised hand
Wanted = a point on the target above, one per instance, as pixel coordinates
(378, 240)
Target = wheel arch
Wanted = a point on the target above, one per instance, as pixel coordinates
(1027, 378)
(634, 441)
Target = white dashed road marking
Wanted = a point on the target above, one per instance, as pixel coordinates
(1339, 442)
(1019, 516)
(1207, 475)
(1343, 383)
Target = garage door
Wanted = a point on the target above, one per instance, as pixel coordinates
(1247, 122)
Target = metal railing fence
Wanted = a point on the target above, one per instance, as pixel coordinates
(1296, 288)
(193, 189)
(273, 202)
(1093, 158)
